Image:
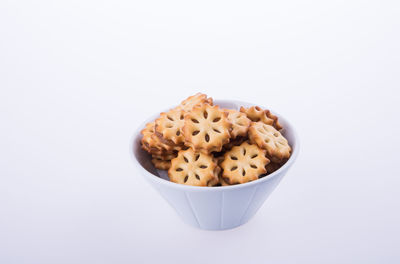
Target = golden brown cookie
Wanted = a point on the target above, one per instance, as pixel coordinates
(169, 126)
(158, 152)
(154, 144)
(215, 181)
(167, 144)
(257, 114)
(149, 141)
(206, 128)
(240, 122)
(161, 164)
(146, 136)
(165, 156)
(270, 139)
(194, 100)
(193, 168)
(243, 163)
(223, 182)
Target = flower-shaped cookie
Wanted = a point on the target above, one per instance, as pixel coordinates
(206, 128)
(270, 139)
(169, 125)
(161, 164)
(240, 123)
(153, 143)
(147, 142)
(243, 163)
(193, 168)
(194, 100)
(256, 114)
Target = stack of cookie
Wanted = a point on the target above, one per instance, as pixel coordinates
(202, 145)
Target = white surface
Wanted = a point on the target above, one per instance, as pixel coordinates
(78, 76)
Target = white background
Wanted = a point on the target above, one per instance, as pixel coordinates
(77, 77)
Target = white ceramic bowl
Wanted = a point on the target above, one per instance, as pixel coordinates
(214, 208)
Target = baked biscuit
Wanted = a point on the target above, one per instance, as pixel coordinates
(240, 122)
(202, 145)
(270, 139)
(146, 136)
(257, 114)
(243, 163)
(223, 182)
(216, 180)
(153, 144)
(193, 168)
(206, 128)
(149, 142)
(161, 164)
(194, 100)
(167, 144)
(169, 125)
(164, 156)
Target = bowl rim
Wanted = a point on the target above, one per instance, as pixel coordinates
(150, 176)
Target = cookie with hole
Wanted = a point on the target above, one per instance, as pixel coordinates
(162, 148)
(270, 139)
(169, 125)
(206, 128)
(244, 163)
(256, 114)
(193, 168)
(147, 142)
(167, 144)
(194, 100)
(153, 144)
(240, 123)
(161, 164)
